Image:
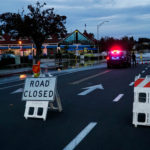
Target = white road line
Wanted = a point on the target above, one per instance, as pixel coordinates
(20, 90)
(11, 86)
(143, 71)
(91, 89)
(146, 68)
(90, 77)
(131, 84)
(80, 136)
(118, 97)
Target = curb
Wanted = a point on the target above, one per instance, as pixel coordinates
(51, 67)
(30, 71)
(15, 73)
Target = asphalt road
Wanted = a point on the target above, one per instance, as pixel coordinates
(103, 122)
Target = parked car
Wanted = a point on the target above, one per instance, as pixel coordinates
(5, 56)
(7, 59)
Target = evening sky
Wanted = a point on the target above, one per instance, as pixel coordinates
(126, 17)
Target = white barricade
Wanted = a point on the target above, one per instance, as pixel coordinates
(33, 109)
(40, 95)
(141, 105)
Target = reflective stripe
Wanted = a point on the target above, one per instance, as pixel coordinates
(137, 82)
(147, 85)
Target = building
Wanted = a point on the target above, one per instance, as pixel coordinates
(75, 42)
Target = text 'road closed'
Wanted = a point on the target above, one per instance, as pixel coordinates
(37, 93)
(39, 89)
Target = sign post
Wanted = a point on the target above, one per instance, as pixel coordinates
(39, 94)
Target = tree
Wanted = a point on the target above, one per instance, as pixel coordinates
(110, 42)
(89, 35)
(38, 24)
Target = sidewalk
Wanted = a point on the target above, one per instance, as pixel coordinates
(11, 72)
(50, 64)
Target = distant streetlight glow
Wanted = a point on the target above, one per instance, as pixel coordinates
(20, 42)
(21, 49)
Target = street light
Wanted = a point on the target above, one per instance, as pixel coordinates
(98, 28)
(20, 44)
(98, 34)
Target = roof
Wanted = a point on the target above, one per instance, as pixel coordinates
(76, 37)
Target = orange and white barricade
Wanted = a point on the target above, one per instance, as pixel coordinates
(141, 104)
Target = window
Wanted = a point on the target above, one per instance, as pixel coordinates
(142, 97)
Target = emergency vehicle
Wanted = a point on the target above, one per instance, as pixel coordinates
(118, 57)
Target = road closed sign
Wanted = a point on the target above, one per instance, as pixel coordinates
(39, 89)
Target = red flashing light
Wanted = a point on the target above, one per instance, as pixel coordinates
(107, 58)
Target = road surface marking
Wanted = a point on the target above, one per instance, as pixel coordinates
(80, 136)
(118, 97)
(131, 84)
(20, 90)
(90, 77)
(146, 68)
(11, 86)
(143, 71)
(91, 88)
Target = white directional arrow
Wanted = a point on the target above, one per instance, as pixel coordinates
(18, 91)
(91, 88)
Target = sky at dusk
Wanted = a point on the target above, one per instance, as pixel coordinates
(121, 17)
